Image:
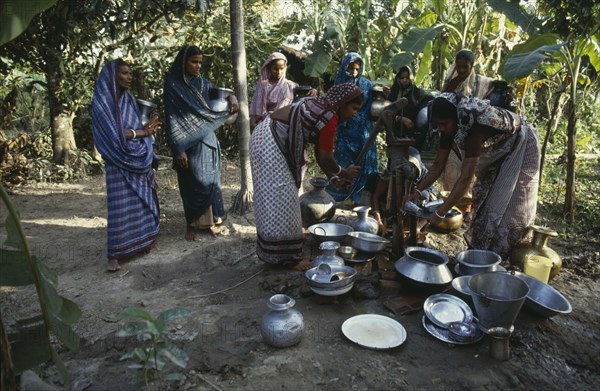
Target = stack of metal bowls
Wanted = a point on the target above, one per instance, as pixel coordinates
(340, 280)
(472, 262)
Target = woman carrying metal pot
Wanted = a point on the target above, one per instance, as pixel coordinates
(501, 150)
(126, 147)
(191, 126)
(278, 160)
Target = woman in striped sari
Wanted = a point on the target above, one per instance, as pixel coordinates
(502, 150)
(277, 156)
(126, 146)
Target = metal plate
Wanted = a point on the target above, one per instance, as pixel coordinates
(443, 308)
(444, 335)
(360, 257)
(374, 331)
(495, 268)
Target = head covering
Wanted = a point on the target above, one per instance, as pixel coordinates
(189, 117)
(442, 107)
(474, 84)
(111, 115)
(282, 92)
(307, 117)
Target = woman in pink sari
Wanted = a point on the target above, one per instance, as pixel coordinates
(273, 90)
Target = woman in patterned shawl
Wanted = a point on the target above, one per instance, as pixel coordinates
(191, 126)
(277, 157)
(352, 134)
(502, 150)
(126, 146)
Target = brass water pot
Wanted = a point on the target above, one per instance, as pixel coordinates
(538, 246)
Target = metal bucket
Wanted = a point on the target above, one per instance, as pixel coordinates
(498, 298)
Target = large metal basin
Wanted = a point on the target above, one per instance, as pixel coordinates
(324, 232)
(542, 299)
(477, 261)
(368, 242)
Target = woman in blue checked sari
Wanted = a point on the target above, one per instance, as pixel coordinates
(191, 126)
(126, 146)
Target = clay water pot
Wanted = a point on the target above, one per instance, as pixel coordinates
(316, 205)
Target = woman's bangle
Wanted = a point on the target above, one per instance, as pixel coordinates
(438, 216)
(134, 134)
(339, 171)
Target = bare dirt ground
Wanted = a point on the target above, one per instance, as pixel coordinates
(66, 227)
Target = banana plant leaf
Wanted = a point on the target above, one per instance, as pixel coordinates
(15, 16)
(414, 42)
(29, 344)
(15, 270)
(523, 64)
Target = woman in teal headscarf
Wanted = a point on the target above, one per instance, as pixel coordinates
(353, 133)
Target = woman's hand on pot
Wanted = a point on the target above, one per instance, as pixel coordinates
(234, 104)
(152, 126)
(182, 160)
(414, 196)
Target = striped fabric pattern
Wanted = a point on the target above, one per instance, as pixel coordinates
(133, 212)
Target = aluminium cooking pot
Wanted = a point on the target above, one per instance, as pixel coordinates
(426, 267)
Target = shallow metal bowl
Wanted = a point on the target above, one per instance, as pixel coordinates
(324, 232)
(368, 242)
(463, 331)
(477, 261)
(461, 285)
(347, 252)
(346, 275)
(542, 299)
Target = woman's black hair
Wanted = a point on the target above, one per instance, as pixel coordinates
(442, 108)
(466, 55)
(193, 50)
(122, 63)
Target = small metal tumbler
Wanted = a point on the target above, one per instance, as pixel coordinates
(499, 345)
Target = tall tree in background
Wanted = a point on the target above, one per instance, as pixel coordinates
(243, 199)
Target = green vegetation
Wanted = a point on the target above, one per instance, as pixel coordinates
(155, 350)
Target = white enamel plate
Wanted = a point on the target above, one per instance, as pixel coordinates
(374, 331)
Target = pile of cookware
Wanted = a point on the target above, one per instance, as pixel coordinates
(450, 319)
(330, 276)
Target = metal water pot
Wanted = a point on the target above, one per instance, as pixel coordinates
(282, 325)
(218, 102)
(378, 104)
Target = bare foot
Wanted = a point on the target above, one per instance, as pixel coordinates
(113, 265)
(214, 231)
(190, 233)
(301, 266)
(218, 221)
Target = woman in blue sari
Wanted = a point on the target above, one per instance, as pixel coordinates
(126, 146)
(191, 126)
(352, 134)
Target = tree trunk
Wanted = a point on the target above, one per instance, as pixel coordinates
(61, 114)
(243, 199)
(550, 128)
(569, 206)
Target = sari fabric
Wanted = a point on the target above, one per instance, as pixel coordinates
(268, 98)
(277, 156)
(133, 212)
(191, 126)
(352, 134)
(475, 85)
(505, 192)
